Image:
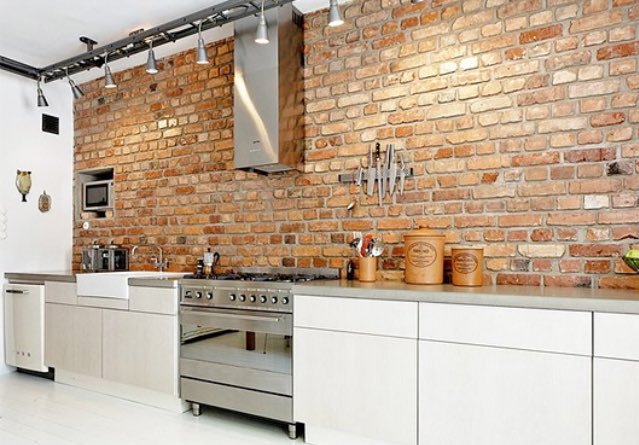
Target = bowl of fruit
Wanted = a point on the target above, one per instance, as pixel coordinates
(631, 258)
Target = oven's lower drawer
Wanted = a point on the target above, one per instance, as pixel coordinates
(247, 401)
(250, 378)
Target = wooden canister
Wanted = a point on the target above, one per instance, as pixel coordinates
(468, 266)
(368, 268)
(424, 257)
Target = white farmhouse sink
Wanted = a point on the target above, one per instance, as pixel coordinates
(114, 284)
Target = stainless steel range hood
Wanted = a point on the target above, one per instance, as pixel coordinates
(268, 93)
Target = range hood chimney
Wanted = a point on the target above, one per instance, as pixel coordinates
(268, 93)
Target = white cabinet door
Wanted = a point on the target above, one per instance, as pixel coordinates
(616, 402)
(73, 338)
(352, 389)
(141, 349)
(493, 396)
(24, 326)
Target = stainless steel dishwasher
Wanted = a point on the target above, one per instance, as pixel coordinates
(24, 326)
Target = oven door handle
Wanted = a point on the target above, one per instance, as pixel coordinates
(247, 317)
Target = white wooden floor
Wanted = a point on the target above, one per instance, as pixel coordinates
(39, 411)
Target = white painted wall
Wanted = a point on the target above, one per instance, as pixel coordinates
(35, 241)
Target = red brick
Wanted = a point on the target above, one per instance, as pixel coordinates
(619, 217)
(597, 266)
(571, 219)
(567, 266)
(519, 279)
(567, 281)
(607, 119)
(536, 159)
(617, 51)
(595, 250)
(518, 7)
(520, 220)
(539, 34)
(474, 221)
(619, 282)
(590, 155)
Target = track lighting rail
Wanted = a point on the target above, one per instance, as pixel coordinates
(218, 15)
(19, 68)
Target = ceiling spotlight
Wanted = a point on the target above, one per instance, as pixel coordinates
(42, 101)
(261, 35)
(202, 58)
(334, 17)
(77, 92)
(108, 77)
(151, 65)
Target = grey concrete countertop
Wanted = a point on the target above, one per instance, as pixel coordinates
(165, 282)
(66, 276)
(568, 298)
(170, 280)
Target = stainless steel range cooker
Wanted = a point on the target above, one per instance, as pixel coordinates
(236, 340)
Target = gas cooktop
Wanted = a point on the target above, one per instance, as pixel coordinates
(255, 288)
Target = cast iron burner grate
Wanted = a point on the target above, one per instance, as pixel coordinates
(272, 277)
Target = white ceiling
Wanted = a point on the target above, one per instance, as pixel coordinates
(42, 32)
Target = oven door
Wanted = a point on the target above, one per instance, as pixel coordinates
(241, 348)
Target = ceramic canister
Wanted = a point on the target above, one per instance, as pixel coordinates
(467, 265)
(424, 250)
(368, 268)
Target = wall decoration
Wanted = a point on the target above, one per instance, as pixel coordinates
(44, 202)
(23, 183)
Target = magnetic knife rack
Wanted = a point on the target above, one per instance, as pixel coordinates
(351, 177)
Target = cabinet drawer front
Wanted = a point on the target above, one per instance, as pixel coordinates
(617, 336)
(153, 299)
(616, 401)
(474, 395)
(56, 292)
(378, 317)
(567, 332)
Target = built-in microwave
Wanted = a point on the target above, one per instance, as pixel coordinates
(97, 196)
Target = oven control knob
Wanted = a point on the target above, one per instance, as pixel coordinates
(188, 294)
(198, 294)
(253, 298)
(232, 297)
(274, 300)
(284, 300)
(263, 299)
(209, 295)
(242, 297)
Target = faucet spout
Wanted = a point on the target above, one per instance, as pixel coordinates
(158, 261)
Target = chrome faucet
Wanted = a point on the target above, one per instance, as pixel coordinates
(158, 261)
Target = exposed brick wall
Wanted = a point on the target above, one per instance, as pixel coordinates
(519, 119)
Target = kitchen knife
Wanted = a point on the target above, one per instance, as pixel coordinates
(379, 174)
(370, 177)
(387, 159)
(392, 172)
(402, 174)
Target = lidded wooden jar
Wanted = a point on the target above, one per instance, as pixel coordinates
(424, 250)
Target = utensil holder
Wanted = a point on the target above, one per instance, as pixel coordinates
(368, 269)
